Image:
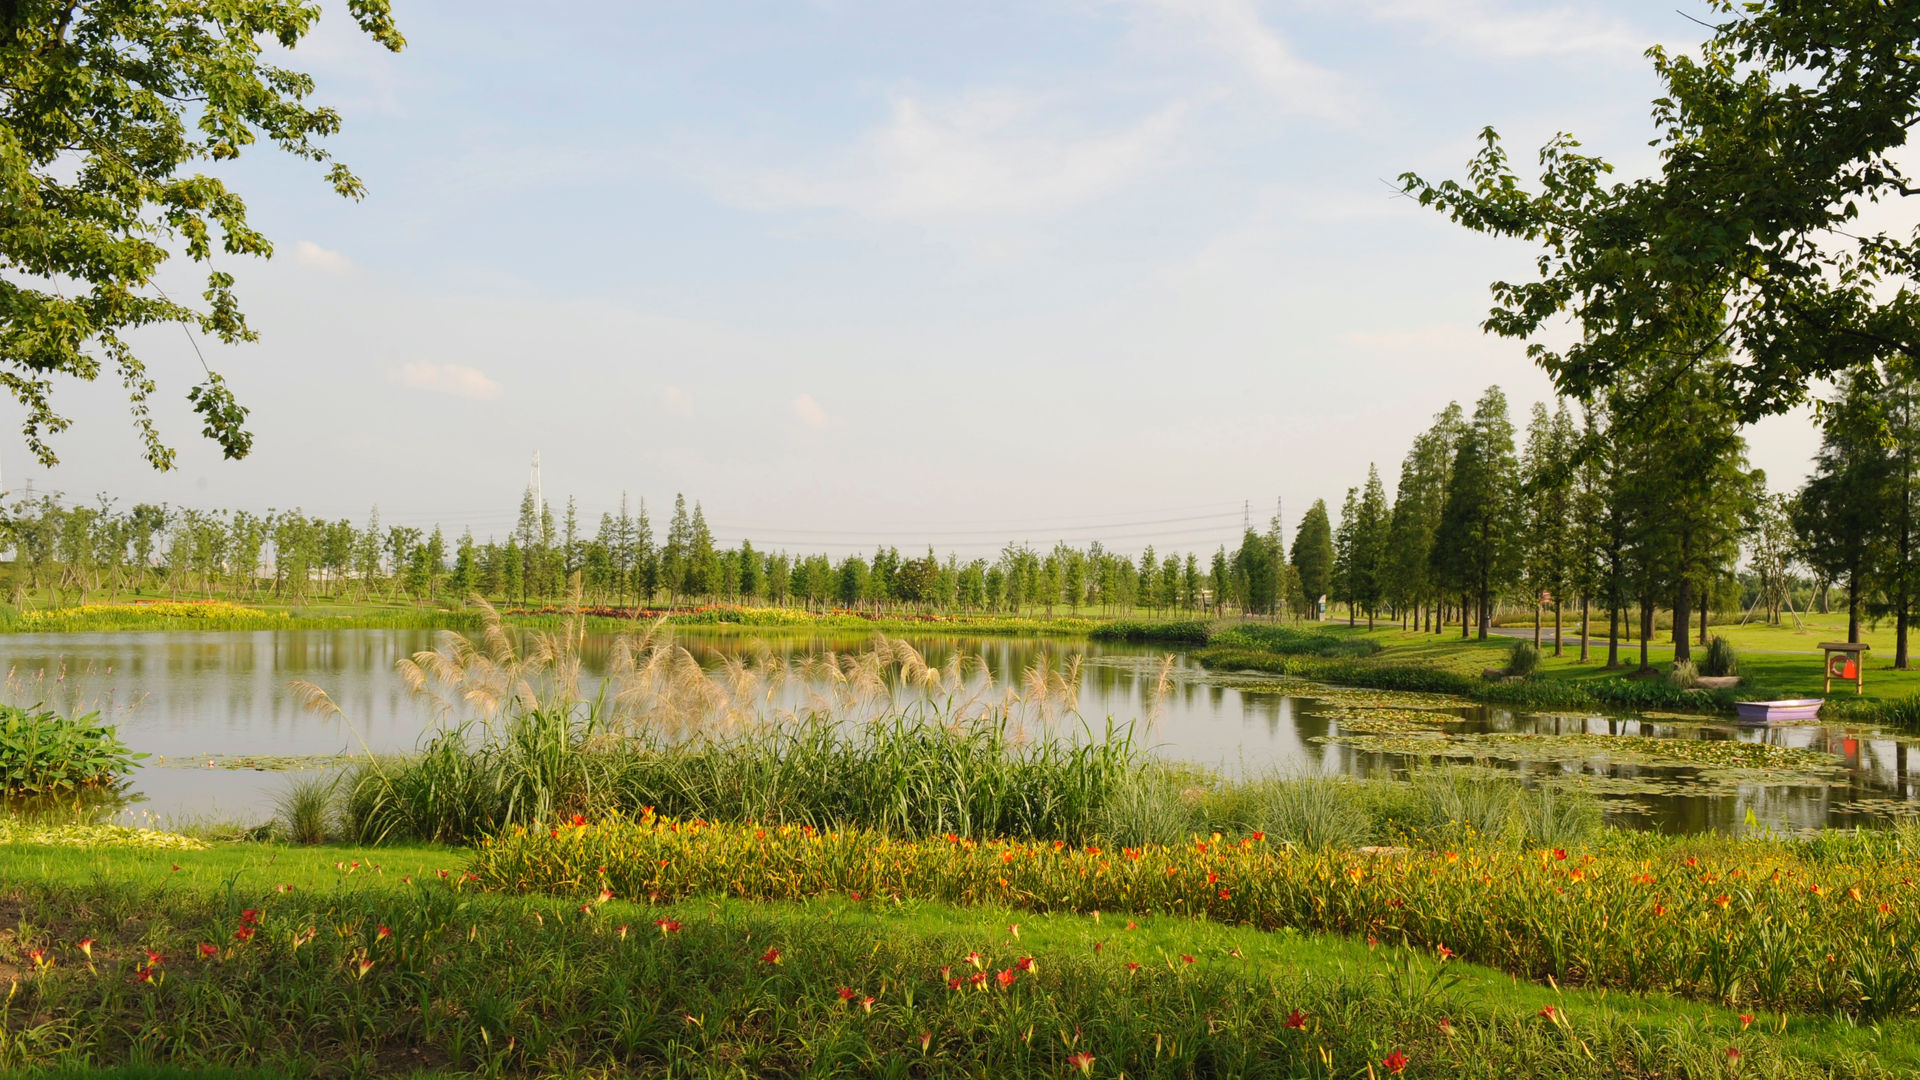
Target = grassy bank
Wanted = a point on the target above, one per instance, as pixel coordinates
(491, 984)
(157, 615)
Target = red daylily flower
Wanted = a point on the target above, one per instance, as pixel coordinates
(846, 993)
(1025, 963)
(771, 956)
(1549, 1013)
(1006, 978)
(85, 945)
(1186, 957)
(1132, 966)
(245, 933)
(867, 1003)
(1733, 1053)
(1395, 1062)
(1296, 1020)
(208, 950)
(249, 916)
(382, 934)
(666, 925)
(1082, 1061)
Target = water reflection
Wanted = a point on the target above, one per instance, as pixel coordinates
(183, 696)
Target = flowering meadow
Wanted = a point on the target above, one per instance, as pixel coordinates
(1745, 924)
(396, 962)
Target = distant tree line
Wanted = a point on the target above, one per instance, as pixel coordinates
(85, 551)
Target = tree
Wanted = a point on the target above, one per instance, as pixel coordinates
(1547, 511)
(105, 106)
(1473, 548)
(1313, 555)
(1345, 550)
(1790, 122)
(1842, 510)
(1370, 545)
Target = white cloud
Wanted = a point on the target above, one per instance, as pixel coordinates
(1531, 30)
(1234, 28)
(984, 156)
(308, 253)
(810, 412)
(678, 401)
(456, 379)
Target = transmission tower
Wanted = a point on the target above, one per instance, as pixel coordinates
(533, 484)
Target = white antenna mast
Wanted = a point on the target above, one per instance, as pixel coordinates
(539, 500)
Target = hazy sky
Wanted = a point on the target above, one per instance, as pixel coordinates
(948, 273)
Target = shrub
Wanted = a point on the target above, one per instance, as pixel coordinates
(1720, 660)
(1523, 658)
(1294, 641)
(1172, 632)
(1683, 676)
(44, 753)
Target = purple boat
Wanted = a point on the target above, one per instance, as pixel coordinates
(1773, 712)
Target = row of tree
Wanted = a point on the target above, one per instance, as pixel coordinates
(91, 550)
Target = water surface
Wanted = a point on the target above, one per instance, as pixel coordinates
(191, 698)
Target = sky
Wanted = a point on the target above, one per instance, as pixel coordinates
(852, 272)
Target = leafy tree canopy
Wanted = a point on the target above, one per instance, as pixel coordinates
(105, 107)
(1772, 143)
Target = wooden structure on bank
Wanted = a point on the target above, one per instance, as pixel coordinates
(1846, 660)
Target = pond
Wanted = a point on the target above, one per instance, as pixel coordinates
(214, 711)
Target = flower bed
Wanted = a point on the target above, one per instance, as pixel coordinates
(1743, 923)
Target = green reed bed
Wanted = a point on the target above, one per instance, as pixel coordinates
(910, 774)
(333, 962)
(902, 773)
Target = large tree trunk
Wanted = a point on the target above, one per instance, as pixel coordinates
(1682, 619)
(1853, 607)
(1585, 626)
(1613, 635)
(1646, 631)
(1706, 594)
(1466, 607)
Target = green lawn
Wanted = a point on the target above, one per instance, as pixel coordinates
(471, 981)
(1776, 662)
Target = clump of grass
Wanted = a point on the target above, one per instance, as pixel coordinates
(1523, 658)
(520, 744)
(305, 808)
(1684, 675)
(1720, 660)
